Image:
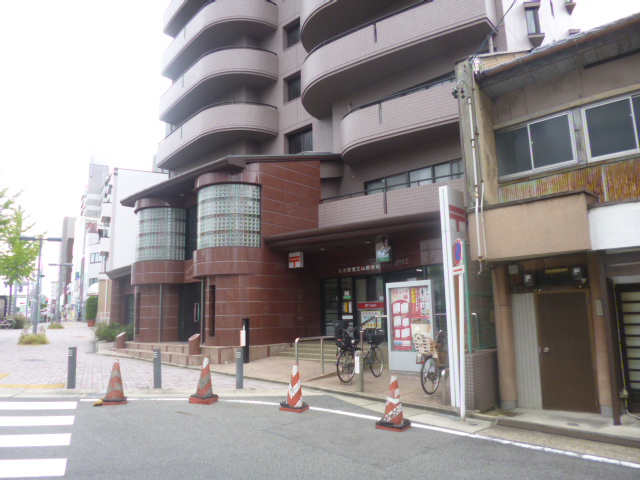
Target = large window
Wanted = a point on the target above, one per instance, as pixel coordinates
(613, 128)
(160, 234)
(441, 172)
(229, 215)
(536, 145)
(533, 21)
(301, 141)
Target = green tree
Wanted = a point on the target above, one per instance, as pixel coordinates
(91, 308)
(17, 258)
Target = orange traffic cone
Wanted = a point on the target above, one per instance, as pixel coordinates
(294, 401)
(115, 395)
(204, 395)
(393, 419)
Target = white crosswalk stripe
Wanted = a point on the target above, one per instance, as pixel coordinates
(11, 436)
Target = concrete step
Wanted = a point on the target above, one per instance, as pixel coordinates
(175, 358)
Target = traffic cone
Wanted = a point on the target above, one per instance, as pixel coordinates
(294, 401)
(204, 395)
(115, 395)
(393, 419)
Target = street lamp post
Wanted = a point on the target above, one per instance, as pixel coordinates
(62, 287)
(36, 319)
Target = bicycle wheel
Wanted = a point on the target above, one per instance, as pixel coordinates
(8, 323)
(430, 376)
(345, 366)
(377, 361)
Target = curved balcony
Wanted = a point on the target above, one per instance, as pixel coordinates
(214, 74)
(215, 26)
(214, 127)
(321, 20)
(406, 39)
(178, 13)
(399, 121)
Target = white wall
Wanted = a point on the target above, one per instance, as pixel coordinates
(123, 220)
(615, 226)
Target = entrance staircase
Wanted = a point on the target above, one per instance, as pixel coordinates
(311, 351)
(174, 353)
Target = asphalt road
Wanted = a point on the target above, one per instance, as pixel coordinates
(243, 437)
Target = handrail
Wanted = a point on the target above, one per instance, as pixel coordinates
(368, 24)
(385, 189)
(417, 88)
(212, 105)
(310, 339)
(218, 50)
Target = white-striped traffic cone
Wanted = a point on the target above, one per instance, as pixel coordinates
(393, 419)
(294, 401)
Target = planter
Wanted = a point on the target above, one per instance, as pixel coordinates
(91, 323)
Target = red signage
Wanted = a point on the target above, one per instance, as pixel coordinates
(370, 305)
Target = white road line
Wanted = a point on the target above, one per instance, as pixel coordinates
(43, 421)
(38, 405)
(449, 431)
(36, 440)
(35, 467)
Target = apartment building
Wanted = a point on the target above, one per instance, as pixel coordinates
(552, 137)
(303, 137)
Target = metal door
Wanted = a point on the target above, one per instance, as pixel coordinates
(189, 311)
(566, 359)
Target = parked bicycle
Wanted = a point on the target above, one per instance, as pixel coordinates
(432, 365)
(7, 323)
(347, 347)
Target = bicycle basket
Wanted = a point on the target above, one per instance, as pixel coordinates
(373, 336)
(343, 340)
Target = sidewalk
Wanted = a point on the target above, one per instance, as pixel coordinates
(43, 369)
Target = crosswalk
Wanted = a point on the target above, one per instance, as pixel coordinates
(18, 416)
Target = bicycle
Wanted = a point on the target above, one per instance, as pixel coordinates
(7, 323)
(431, 369)
(347, 345)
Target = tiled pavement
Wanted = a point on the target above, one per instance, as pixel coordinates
(44, 368)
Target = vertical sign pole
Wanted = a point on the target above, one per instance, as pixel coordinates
(462, 336)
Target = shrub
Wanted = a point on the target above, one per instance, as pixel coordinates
(31, 339)
(21, 322)
(91, 308)
(109, 331)
(55, 326)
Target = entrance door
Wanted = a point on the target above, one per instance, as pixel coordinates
(189, 311)
(628, 301)
(566, 361)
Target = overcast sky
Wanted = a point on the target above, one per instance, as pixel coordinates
(81, 79)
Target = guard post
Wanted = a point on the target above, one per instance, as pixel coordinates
(359, 372)
(71, 367)
(245, 336)
(157, 368)
(239, 370)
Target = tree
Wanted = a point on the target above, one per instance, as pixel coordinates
(91, 308)
(17, 258)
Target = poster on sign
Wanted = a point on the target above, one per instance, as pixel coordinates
(411, 312)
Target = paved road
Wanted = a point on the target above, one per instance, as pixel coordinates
(242, 438)
(43, 368)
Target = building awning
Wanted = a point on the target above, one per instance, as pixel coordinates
(94, 289)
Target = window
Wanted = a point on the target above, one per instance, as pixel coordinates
(292, 34)
(95, 258)
(92, 281)
(533, 22)
(293, 87)
(541, 144)
(441, 172)
(613, 128)
(301, 142)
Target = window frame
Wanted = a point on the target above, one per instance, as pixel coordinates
(371, 189)
(634, 121)
(293, 26)
(288, 85)
(533, 10)
(290, 136)
(534, 169)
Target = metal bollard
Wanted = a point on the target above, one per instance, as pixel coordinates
(239, 369)
(359, 371)
(71, 367)
(157, 368)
